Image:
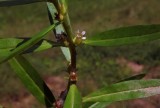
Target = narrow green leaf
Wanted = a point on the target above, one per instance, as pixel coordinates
(4, 53)
(17, 2)
(125, 91)
(125, 35)
(9, 44)
(74, 99)
(58, 30)
(31, 79)
(45, 44)
(35, 39)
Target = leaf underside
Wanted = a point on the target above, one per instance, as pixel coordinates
(58, 30)
(125, 91)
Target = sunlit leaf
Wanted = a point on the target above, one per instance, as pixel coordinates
(31, 79)
(58, 30)
(74, 99)
(125, 91)
(125, 35)
(66, 53)
(35, 39)
(51, 12)
(17, 2)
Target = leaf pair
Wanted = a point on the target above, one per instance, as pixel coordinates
(52, 11)
(125, 35)
(26, 45)
(7, 45)
(105, 104)
(130, 89)
(24, 70)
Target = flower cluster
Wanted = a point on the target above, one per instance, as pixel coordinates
(80, 36)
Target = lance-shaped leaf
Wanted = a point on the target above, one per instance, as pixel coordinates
(125, 35)
(58, 30)
(4, 53)
(125, 91)
(35, 39)
(32, 80)
(17, 2)
(9, 44)
(6, 43)
(73, 99)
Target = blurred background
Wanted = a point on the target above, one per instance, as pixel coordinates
(97, 66)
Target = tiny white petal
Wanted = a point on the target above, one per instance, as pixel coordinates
(83, 38)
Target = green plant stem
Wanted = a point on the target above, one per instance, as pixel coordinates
(72, 48)
(68, 29)
(67, 26)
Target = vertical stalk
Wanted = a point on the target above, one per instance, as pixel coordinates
(64, 18)
(68, 29)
